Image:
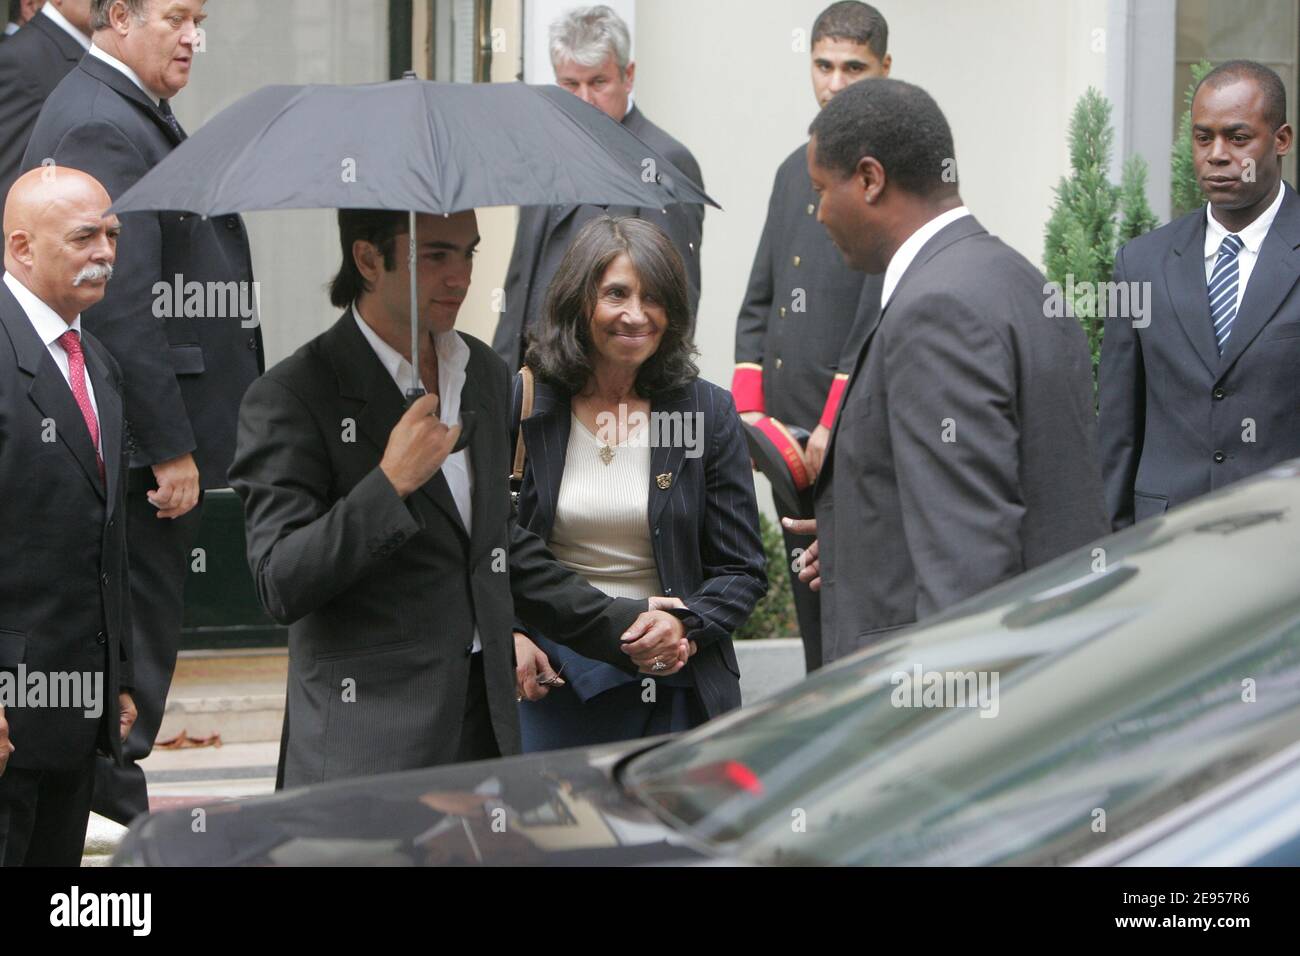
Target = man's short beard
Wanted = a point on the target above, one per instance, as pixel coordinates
(93, 274)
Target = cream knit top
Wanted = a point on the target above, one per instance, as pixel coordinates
(602, 528)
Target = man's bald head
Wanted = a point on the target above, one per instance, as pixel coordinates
(59, 242)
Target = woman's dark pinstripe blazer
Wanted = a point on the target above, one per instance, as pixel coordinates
(703, 525)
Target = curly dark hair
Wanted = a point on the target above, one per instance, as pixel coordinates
(559, 346)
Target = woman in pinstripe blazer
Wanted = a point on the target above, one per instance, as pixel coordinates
(638, 478)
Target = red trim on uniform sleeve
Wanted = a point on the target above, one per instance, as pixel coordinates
(789, 449)
(747, 387)
(833, 398)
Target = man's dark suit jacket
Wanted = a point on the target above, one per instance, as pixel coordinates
(802, 305)
(185, 374)
(1177, 419)
(544, 233)
(382, 592)
(31, 66)
(64, 598)
(910, 523)
(703, 527)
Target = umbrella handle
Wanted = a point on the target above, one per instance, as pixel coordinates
(468, 419)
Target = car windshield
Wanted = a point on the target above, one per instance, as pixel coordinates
(1031, 725)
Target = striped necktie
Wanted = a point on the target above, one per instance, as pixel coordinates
(1223, 289)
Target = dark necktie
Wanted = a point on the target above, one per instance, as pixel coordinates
(71, 344)
(165, 109)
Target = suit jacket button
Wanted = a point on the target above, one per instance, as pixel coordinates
(779, 363)
(469, 648)
(1220, 456)
(796, 261)
(232, 224)
(1218, 394)
(252, 343)
(668, 591)
(100, 638)
(103, 578)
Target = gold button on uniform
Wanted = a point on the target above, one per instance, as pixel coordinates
(811, 207)
(796, 262)
(778, 363)
(783, 312)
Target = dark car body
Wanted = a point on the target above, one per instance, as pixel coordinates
(1136, 701)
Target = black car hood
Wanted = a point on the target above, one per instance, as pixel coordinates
(552, 809)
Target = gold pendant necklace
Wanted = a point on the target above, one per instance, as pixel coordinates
(606, 454)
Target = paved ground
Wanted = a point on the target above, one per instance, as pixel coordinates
(183, 778)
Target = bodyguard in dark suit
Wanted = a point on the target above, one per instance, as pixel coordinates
(590, 51)
(186, 358)
(965, 449)
(64, 597)
(392, 557)
(795, 344)
(1200, 390)
(30, 68)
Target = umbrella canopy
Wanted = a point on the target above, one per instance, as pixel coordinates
(409, 145)
(412, 146)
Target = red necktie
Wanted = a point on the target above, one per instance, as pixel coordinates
(77, 379)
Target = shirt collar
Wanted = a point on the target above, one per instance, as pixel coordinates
(911, 246)
(49, 325)
(51, 11)
(125, 70)
(451, 348)
(1252, 237)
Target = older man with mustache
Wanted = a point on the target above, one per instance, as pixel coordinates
(112, 117)
(64, 598)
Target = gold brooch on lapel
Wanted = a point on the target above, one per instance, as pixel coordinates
(664, 481)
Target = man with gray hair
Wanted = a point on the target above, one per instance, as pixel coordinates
(591, 52)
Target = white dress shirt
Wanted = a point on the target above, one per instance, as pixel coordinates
(453, 359)
(49, 326)
(125, 70)
(51, 11)
(1252, 237)
(907, 251)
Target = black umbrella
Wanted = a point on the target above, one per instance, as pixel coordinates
(412, 146)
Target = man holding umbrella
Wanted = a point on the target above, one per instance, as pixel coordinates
(184, 374)
(389, 549)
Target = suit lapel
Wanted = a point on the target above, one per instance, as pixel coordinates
(546, 440)
(482, 461)
(1190, 296)
(839, 415)
(49, 391)
(118, 81)
(363, 377)
(1271, 281)
(110, 421)
(666, 460)
(71, 50)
